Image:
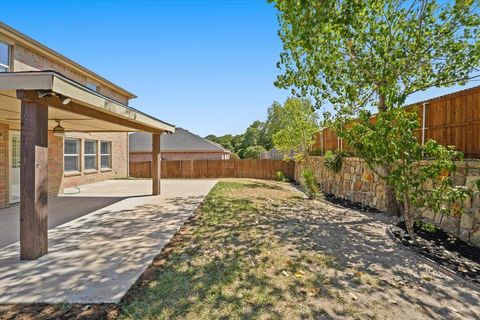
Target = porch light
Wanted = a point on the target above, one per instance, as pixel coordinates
(59, 131)
(66, 100)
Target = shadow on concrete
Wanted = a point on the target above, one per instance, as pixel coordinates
(60, 210)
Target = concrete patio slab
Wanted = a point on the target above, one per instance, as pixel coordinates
(98, 256)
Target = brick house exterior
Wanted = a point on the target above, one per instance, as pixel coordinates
(25, 55)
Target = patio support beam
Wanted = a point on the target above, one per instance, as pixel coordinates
(156, 164)
(33, 177)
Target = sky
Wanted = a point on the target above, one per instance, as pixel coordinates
(204, 65)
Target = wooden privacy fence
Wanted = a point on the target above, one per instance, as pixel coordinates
(452, 119)
(191, 169)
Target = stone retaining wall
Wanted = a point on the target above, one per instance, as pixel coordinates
(357, 183)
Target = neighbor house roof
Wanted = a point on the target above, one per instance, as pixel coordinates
(180, 141)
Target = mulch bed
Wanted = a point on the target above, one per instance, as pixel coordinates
(348, 204)
(448, 251)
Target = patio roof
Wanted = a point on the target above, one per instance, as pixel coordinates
(87, 111)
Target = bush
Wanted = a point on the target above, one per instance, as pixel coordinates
(309, 183)
(333, 160)
(279, 176)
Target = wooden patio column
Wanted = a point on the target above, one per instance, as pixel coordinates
(156, 164)
(33, 177)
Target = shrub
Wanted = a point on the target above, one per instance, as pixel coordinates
(279, 176)
(333, 160)
(309, 183)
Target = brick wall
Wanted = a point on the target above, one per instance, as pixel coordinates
(119, 159)
(25, 59)
(55, 164)
(4, 165)
(145, 156)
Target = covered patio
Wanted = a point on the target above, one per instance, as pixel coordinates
(36, 102)
(97, 256)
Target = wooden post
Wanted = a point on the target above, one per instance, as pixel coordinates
(33, 180)
(156, 164)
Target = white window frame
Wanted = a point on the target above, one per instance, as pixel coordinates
(106, 154)
(9, 54)
(85, 155)
(78, 142)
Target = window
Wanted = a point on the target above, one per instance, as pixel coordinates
(90, 154)
(71, 155)
(4, 57)
(92, 86)
(105, 155)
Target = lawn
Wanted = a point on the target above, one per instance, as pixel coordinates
(260, 249)
(235, 261)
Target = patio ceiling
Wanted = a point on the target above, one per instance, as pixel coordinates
(87, 111)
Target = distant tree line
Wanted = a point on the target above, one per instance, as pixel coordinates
(257, 138)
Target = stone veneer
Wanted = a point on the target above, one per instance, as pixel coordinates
(357, 183)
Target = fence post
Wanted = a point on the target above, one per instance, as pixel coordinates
(424, 121)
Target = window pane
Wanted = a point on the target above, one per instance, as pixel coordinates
(92, 86)
(105, 147)
(71, 146)
(4, 54)
(90, 162)
(90, 147)
(71, 163)
(105, 161)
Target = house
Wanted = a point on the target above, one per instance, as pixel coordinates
(181, 145)
(60, 125)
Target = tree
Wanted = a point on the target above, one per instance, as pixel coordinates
(373, 141)
(273, 123)
(373, 54)
(253, 152)
(299, 124)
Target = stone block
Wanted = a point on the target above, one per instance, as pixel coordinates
(467, 202)
(458, 180)
(450, 224)
(466, 221)
(438, 218)
(357, 186)
(367, 176)
(470, 182)
(475, 236)
(464, 234)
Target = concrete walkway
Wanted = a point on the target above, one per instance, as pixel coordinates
(98, 256)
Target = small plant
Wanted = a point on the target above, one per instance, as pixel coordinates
(428, 227)
(309, 183)
(333, 160)
(279, 176)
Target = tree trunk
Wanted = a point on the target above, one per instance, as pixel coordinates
(390, 198)
(407, 215)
